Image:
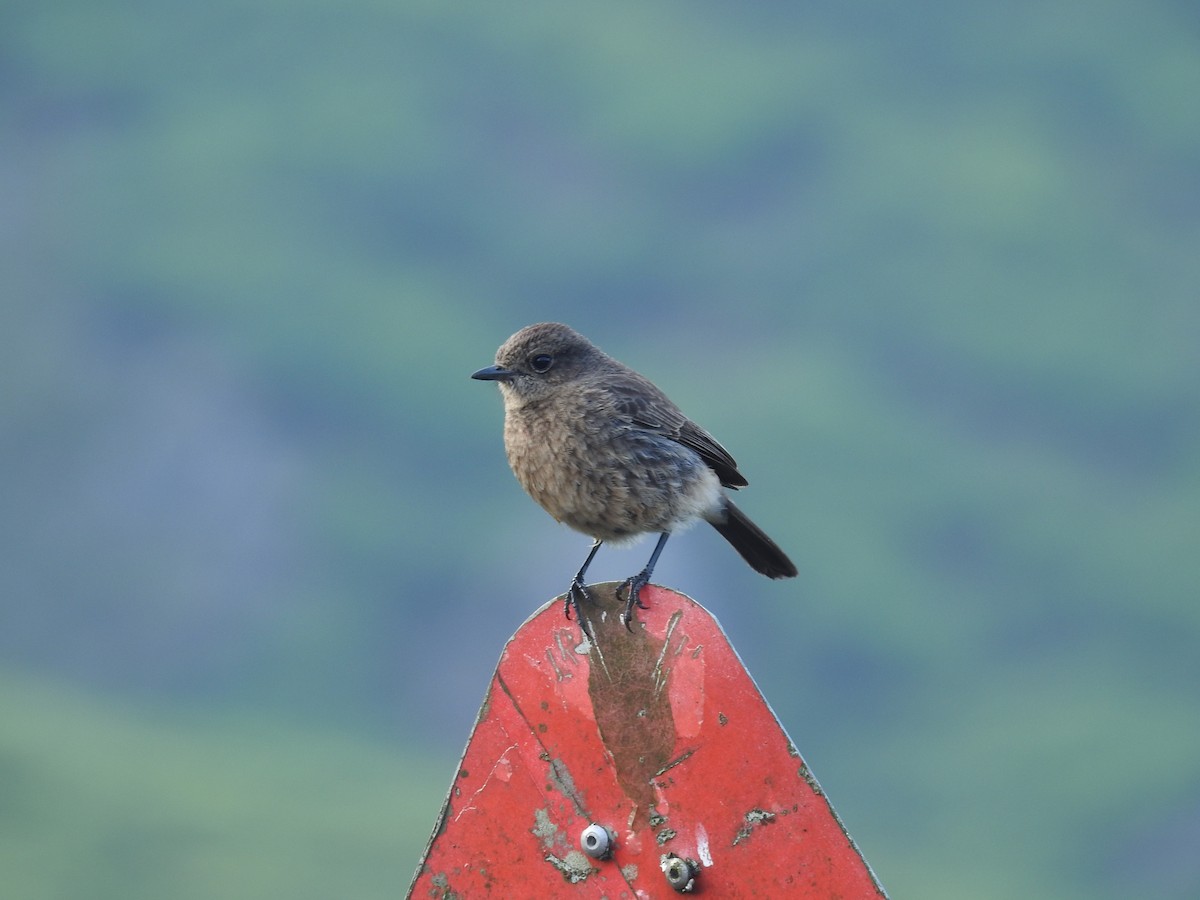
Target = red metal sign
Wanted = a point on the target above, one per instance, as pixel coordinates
(633, 765)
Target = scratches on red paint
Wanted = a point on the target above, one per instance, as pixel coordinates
(501, 769)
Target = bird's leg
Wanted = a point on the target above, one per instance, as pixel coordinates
(578, 589)
(636, 582)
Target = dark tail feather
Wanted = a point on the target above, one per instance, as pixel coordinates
(750, 541)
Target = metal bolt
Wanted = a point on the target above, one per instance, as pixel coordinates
(596, 842)
(681, 873)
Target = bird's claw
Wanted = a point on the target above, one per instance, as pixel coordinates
(634, 585)
(577, 592)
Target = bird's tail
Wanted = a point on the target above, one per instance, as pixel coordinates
(756, 548)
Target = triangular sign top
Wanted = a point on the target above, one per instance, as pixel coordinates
(655, 744)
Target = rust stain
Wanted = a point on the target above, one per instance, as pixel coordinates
(633, 712)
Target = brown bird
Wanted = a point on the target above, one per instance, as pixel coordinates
(604, 451)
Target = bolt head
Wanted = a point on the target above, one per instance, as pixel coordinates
(679, 872)
(596, 841)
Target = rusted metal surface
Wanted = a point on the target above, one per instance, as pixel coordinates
(660, 737)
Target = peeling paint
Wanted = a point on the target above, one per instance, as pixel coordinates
(753, 819)
(574, 867)
(758, 816)
(810, 780)
(560, 776)
(544, 828)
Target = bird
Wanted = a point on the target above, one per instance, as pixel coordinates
(604, 451)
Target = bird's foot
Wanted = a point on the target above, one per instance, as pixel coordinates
(577, 593)
(634, 585)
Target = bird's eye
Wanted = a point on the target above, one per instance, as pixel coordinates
(541, 363)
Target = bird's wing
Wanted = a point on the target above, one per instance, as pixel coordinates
(645, 406)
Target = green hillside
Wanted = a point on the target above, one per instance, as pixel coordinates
(105, 799)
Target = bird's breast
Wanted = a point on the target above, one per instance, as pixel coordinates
(605, 477)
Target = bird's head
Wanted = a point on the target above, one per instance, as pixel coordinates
(535, 361)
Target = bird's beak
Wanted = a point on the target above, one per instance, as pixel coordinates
(494, 373)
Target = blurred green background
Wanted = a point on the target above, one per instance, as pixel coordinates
(930, 271)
